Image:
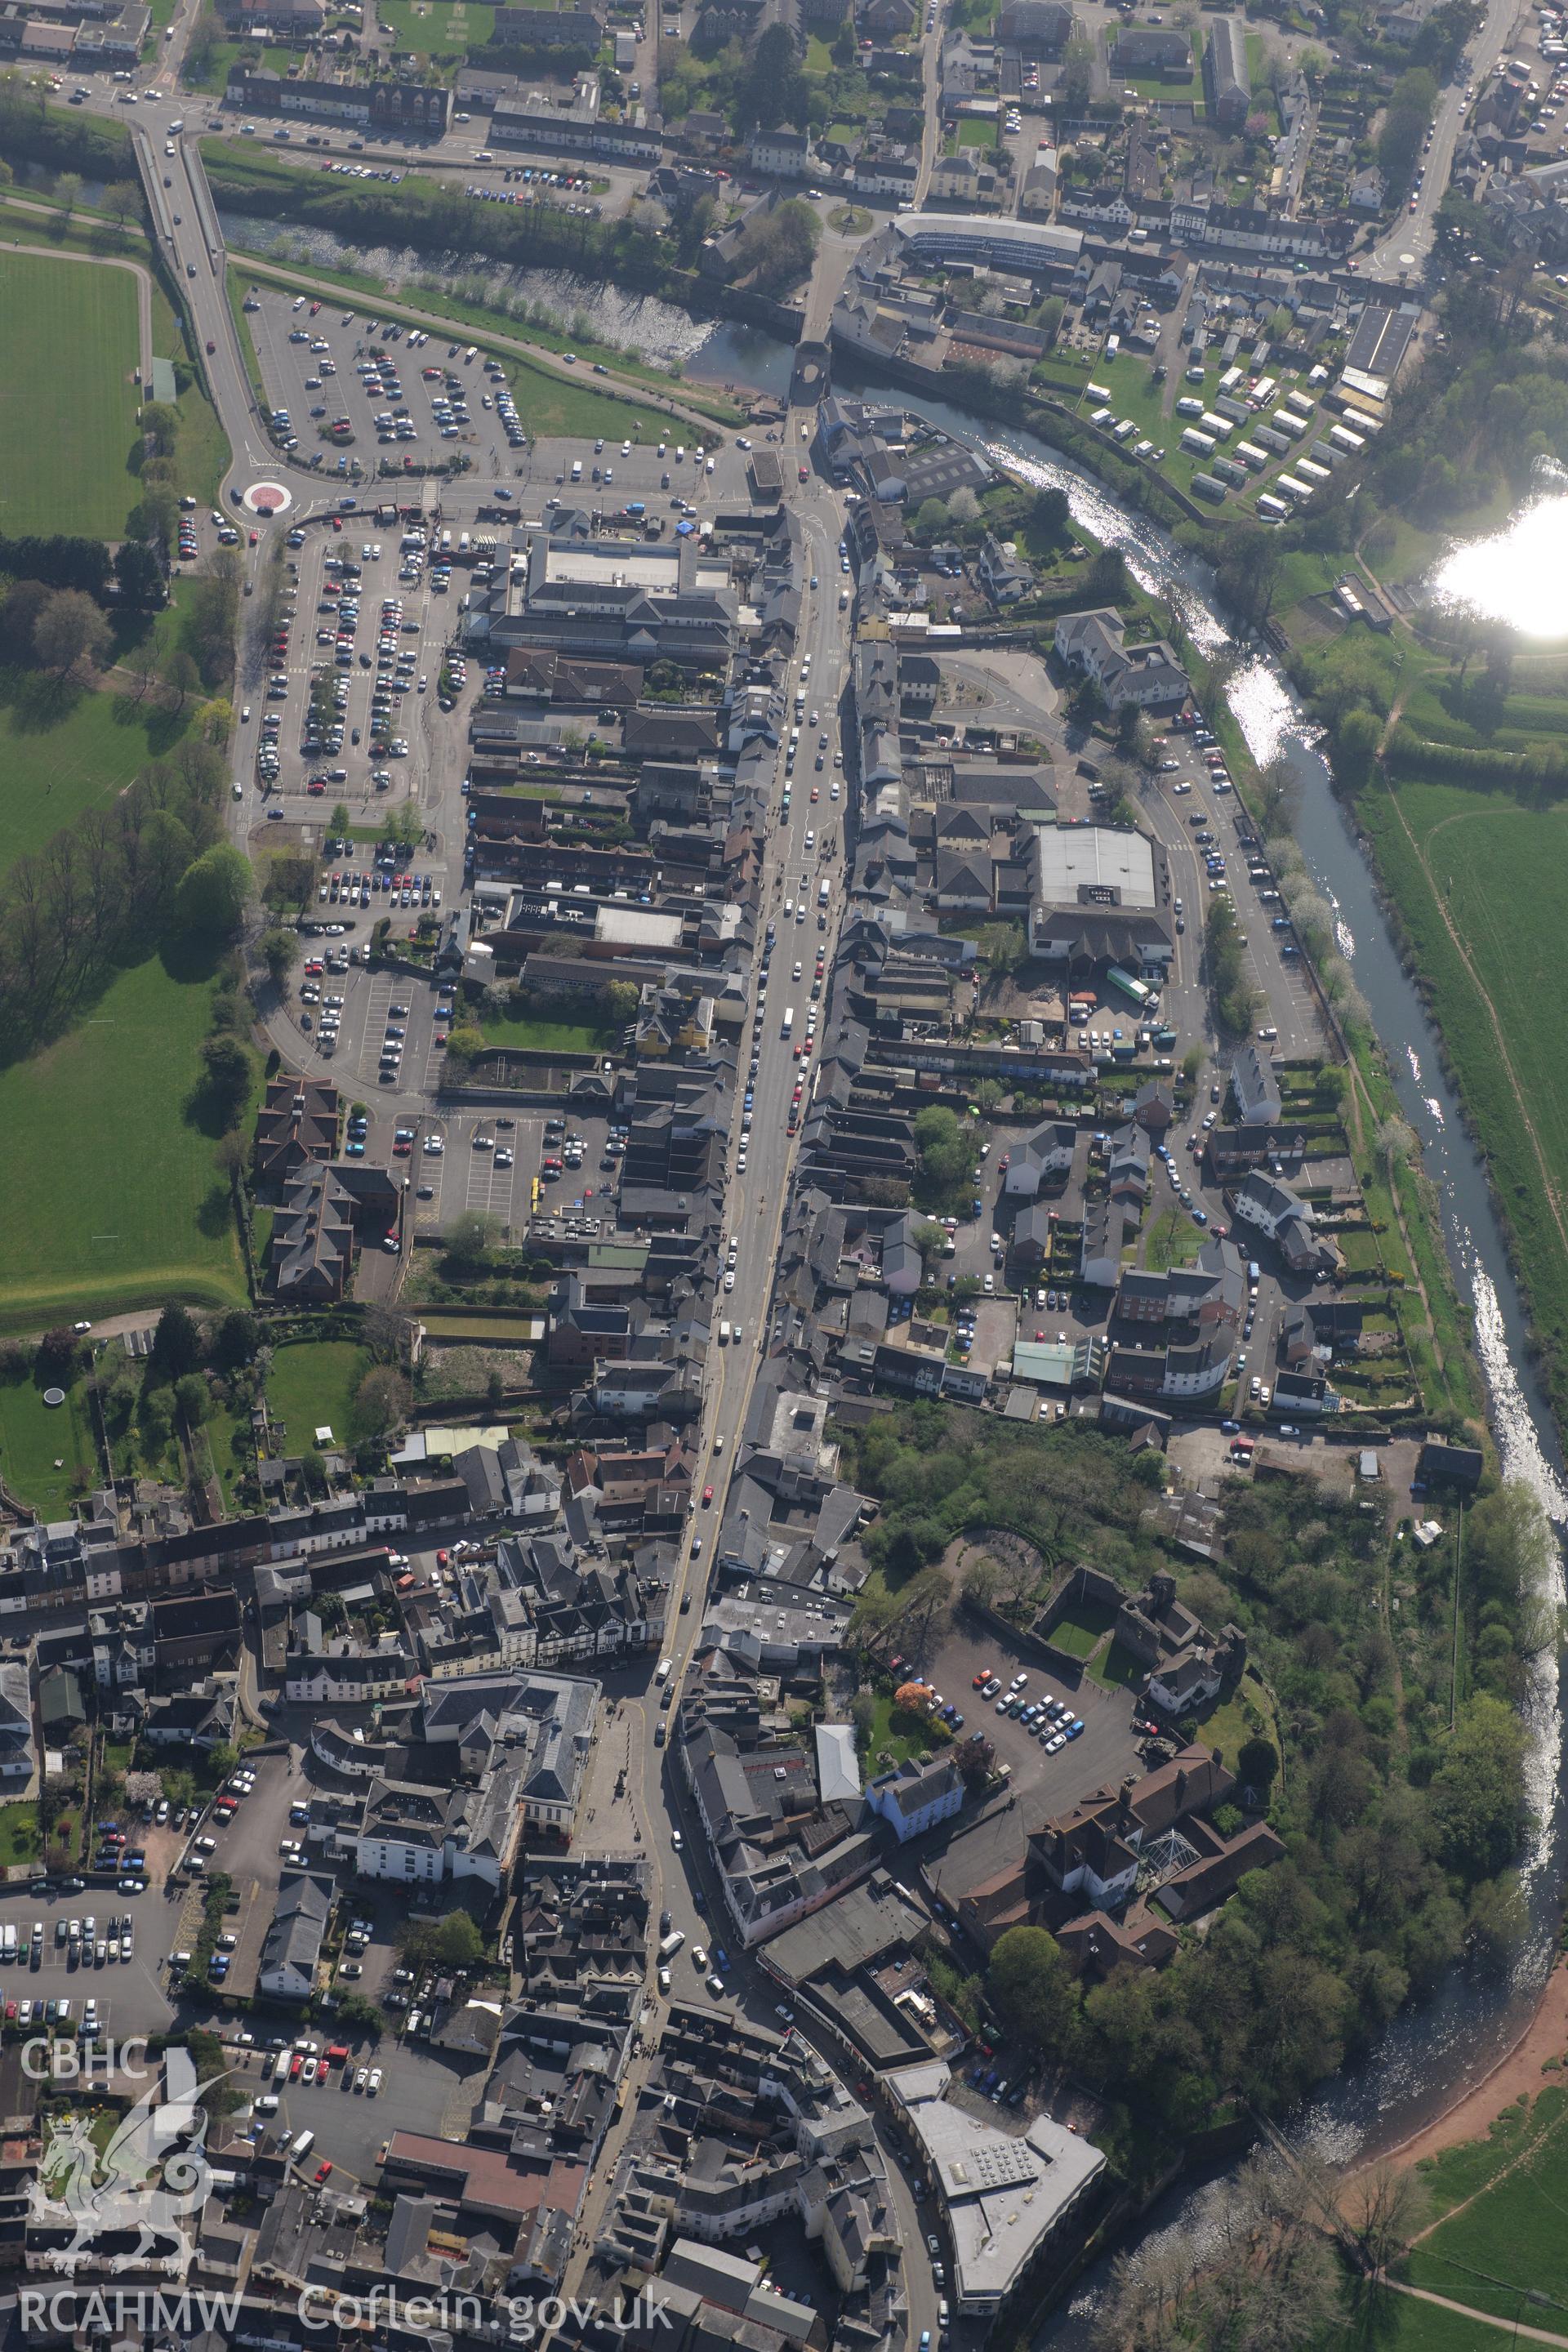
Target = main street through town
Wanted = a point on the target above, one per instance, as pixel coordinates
(803, 850)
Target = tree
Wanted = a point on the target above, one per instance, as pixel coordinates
(1278, 796)
(465, 1043)
(225, 1085)
(1049, 515)
(206, 2052)
(139, 575)
(191, 1396)
(357, 2014)
(159, 423)
(180, 674)
(212, 892)
(155, 514)
(450, 1943)
(68, 193)
(1074, 81)
(177, 1344)
(1411, 104)
(19, 610)
(1383, 2207)
(946, 1150)
(155, 1420)
(381, 1398)
(1256, 1765)
(773, 89)
(863, 1715)
(68, 629)
(121, 199)
(1248, 569)
(340, 819)
(925, 1608)
(278, 952)
(1479, 1793)
(469, 1237)
(1031, 1987)
(902, 1558)
(236, 1340)
(56, 1360)
(385, 1332)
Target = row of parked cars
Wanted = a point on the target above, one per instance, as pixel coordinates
(1050, 1718)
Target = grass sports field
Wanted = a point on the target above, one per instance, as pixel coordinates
(311, 1386)
(1503, 2248)
(1486, 864)
(437, 28)
(64, 751)
(112, 1198)
(70, 329)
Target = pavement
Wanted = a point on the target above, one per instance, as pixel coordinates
(1401, 257)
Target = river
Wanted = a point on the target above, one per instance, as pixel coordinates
(1430, 2052)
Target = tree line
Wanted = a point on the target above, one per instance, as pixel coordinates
(1399, 1793)
(104, 889)
(62, 139)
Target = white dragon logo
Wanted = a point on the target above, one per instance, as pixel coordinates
(132, 2186)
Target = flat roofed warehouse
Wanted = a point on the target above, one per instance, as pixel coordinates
(1085, 863)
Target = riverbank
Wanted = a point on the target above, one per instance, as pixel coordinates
(1519, 2073)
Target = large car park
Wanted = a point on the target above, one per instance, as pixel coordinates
(352, 388)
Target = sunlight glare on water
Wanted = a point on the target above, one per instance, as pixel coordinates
(1518, 574)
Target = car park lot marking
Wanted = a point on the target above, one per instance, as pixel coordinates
(429, 1168)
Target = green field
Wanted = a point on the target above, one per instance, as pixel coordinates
(311, 1386)
(1489, 863)
(67, 749)
(976, 133)
(112, 1198)
(526, 1033)
(35, 1437)
(437, 28)
(67, 460)
(1508, 2243)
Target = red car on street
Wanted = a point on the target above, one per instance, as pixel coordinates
(707, 1496)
